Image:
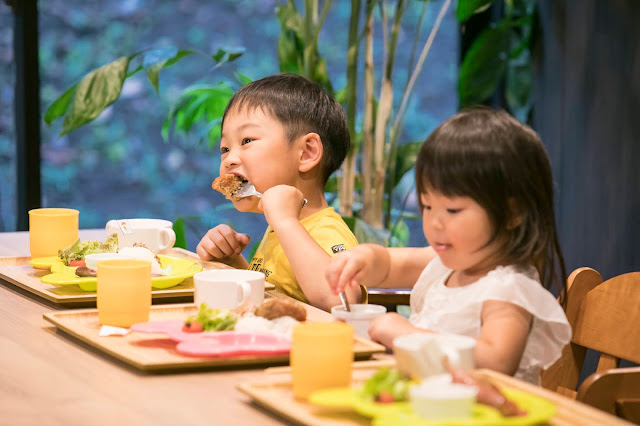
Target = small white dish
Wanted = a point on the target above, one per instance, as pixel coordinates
(437, 398)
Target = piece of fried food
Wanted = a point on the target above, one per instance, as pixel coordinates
(227, 185)
(276, 308)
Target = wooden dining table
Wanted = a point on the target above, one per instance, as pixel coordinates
(48, 377)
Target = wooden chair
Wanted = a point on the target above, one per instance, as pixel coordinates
(390, 298)
(605, 316)
(616, 391)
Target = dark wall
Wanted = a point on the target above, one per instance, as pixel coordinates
(587, 112)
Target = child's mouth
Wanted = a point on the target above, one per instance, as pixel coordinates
(440, 247)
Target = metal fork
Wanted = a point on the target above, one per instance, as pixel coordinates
(247, 190)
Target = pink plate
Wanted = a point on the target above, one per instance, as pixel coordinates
(233, 343)
(159, 327)
(217, 343)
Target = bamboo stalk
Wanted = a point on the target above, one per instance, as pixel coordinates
(347, 182)
(369, 100)
(374, 216)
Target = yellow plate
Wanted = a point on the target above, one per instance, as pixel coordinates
(44, 262)
(181, 269)
(538, 410)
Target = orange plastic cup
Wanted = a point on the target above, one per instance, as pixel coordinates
(321, 357)
(51, 230)
(124, 291)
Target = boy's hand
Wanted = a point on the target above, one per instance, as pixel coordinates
(222, 244)
(349, 268)
(281, 202)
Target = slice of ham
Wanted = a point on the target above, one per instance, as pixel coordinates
(488, 393)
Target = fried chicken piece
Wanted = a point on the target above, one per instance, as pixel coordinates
(227, 185)
(276, 308)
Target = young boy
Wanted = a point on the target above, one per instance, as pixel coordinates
(285, 135)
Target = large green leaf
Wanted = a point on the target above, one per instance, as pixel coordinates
(484, 65)
(519, 86)
(290, 44)
(223, 56)
(154, 60)
(96, 91)
(406, 155)
(59, 106)
(467, 8)
(200, 103)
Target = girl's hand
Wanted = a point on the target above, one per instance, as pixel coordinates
(281, 202)
(222, 244)
(387, 327)
(349, 268)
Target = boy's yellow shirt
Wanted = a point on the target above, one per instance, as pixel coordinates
(326, 227)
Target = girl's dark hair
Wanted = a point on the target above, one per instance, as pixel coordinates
(301, 106)
(500, 163)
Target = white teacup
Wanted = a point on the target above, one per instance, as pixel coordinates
(420, 355)
(437, 398)
(228, 288)
(157, 234)
(360, 316)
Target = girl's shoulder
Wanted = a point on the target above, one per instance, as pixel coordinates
(521, 286)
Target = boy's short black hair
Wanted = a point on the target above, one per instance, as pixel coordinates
(302, 107)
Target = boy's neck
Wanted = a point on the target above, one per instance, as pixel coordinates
(316, 200)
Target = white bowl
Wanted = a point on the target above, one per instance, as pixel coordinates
(91, 260)
(437, 398)
(359, 317)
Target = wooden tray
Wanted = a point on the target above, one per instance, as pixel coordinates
(274, 392)
(156, 353)
(17, 271)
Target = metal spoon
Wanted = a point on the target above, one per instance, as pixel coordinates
(345, 302)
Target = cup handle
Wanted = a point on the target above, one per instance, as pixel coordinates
(245, 292)
(167, 238)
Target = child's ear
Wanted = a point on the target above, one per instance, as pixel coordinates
(515, 218)
(311, 151)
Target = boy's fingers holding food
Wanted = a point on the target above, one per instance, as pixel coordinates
(229, 241)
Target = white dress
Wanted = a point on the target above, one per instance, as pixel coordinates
(457, 310)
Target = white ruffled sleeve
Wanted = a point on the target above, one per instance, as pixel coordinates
(550, 330)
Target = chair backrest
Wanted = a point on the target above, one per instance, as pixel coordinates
(562, 377)
(605, 316)
(616, 391)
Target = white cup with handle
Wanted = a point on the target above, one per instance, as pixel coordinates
(228, 288)
(420, 355)
(156, 234)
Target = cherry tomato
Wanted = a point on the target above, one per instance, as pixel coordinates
(385, 398)
(77, 263)
(192, 327)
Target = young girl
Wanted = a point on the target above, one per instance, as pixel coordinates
(485, 189)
